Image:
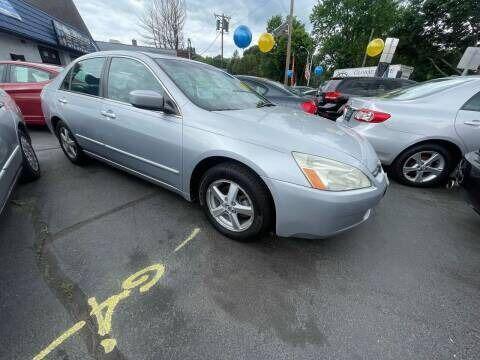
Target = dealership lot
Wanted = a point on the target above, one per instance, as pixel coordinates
(403, 285)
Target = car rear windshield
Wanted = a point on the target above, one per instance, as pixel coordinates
(424, 89)
(285, 90)
(209, 88)
(331, 85)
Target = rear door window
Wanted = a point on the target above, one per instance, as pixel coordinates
(86, 76)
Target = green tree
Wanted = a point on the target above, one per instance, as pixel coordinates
(342, 28)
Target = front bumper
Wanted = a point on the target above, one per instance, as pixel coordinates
(310, 213)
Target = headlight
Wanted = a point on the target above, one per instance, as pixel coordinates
(326, 174)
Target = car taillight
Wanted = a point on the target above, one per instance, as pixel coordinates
(371, 116)
(332, 95)
(309, 107)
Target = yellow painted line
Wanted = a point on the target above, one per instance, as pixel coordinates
(75, 328)
(143, 280)
(188, 239)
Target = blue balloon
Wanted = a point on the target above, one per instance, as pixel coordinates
(289, 73)
(242, 37)
(318, 70)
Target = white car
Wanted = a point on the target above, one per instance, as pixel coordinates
(421, 131)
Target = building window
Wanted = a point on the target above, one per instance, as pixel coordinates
(16, 57)
(49, 56)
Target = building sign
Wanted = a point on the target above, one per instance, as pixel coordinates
(394, 71)
(7, 9)
(71, 38)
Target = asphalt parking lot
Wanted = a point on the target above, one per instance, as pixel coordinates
(404, 285)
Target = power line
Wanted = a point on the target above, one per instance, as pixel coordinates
(211, 44)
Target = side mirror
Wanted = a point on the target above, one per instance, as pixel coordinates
(147, 99)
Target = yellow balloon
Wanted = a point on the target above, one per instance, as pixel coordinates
(266, 42)
(375, 47)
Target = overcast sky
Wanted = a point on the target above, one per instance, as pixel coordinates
(118, 19)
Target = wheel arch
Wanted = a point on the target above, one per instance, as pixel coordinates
(54, 121)
(208, 162)
(454, 148)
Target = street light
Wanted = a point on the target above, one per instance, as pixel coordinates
(309, 63)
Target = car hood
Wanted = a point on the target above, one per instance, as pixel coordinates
(289, 130)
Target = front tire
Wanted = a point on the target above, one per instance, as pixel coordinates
(424, 165)
(69, 145)
(235, 202)
(30, 165)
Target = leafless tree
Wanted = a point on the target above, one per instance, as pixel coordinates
(162, 22)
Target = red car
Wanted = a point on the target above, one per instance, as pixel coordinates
(24, 81)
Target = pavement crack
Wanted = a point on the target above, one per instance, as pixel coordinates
(47, 148)
(79, 225)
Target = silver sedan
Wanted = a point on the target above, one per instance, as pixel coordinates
(421, 131)
(17, 157)
(203, 134)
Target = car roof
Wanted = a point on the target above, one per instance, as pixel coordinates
(47, 67)
(144, 53)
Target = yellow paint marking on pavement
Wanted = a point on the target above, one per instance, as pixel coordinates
(143, 279)
(103, 313)
(188, 239)
(140, 278)
(75, 328)
(108, 345)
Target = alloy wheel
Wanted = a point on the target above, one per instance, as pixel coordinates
(424, 166)
(230, 205)
(29, 153)
(68, 143)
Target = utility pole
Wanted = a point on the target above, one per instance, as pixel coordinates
(365, 54)
(189, 48)
(289, 43)
(223, 23)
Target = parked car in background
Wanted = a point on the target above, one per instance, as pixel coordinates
(17, 157)
(334, 93)
(24, 81)
(421, 131)
(278, 93)
(468, 176)
(203, 134)
(300, 90)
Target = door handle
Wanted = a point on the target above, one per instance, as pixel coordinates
(109, 114)
(63, 101)
(472, 122)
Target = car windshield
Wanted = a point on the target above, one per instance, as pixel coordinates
(209, 88)
(423, 89)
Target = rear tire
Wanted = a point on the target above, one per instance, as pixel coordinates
(424, 165)
(69, 145)
(236, 202)
(30, 165)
